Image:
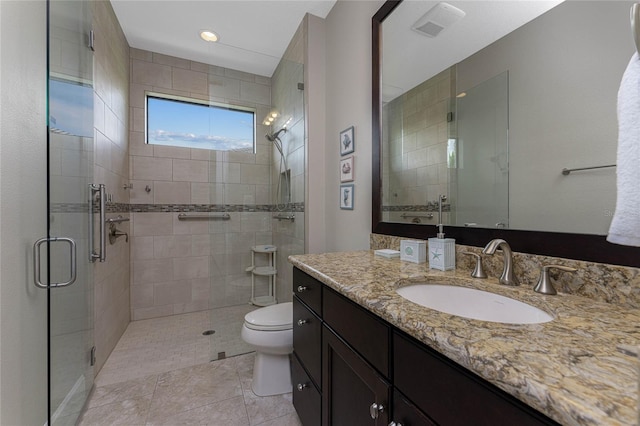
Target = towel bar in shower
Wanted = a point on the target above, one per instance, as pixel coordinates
(183, 216)
(281, 217)
(568, 171)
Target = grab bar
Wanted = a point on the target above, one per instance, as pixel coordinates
(427, 216)
(635, 24)
(118, 219)
(280, 217)
(183, 216)
(568, 171)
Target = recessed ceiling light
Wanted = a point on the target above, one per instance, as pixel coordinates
(207, 35)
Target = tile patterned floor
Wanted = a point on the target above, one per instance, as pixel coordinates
(159, 374)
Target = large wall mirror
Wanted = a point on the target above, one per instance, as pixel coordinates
(508, 108)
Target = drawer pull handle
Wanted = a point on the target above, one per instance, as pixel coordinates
(375, 409)
(301, 386)
(302, 322)
(301, 288)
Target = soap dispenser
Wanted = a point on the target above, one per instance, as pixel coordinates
(442, 251)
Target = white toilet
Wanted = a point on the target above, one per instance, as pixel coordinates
(270, 331)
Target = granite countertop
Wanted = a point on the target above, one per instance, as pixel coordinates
(569, 369)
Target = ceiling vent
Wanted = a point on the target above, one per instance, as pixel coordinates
(438, 18)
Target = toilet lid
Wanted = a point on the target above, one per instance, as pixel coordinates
(271, 318)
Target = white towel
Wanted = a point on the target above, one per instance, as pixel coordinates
(625, 226)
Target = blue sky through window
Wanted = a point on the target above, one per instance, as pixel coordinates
(192, 125)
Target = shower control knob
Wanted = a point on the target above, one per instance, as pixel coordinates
(301, 288)
(301, 386)
(302, 322)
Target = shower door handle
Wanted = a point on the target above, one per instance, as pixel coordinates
(36, 262)
(100, 190)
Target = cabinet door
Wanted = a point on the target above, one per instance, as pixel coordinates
(353, 392)
(307, 335)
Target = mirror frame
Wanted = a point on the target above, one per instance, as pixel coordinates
(594, 248)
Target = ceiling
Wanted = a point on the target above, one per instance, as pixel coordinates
(254, 34)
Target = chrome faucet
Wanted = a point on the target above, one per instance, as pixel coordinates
(507, 277)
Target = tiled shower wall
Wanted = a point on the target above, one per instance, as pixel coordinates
(111, 104)
(288, 101)
(185, 266)
(415, 142)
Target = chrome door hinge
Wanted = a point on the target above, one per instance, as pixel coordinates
(92, 356)
(92, 39)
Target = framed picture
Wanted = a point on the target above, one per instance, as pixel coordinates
(346, 169)
(347, 141)
(346, 197)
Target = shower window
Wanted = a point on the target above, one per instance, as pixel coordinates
(192, 123)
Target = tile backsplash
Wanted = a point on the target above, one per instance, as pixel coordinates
(619, 285)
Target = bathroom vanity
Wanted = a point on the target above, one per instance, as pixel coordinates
(365, 355)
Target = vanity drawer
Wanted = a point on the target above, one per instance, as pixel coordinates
(307, 339)
(308, 289)
(306, 398)
(450, 394)
(366, 333)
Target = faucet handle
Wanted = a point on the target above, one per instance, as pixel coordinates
(544, 285)
(478, 272)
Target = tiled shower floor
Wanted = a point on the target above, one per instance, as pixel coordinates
(159, 373)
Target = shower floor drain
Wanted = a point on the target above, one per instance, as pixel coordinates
(208, 332)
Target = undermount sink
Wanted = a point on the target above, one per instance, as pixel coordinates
(474, 304)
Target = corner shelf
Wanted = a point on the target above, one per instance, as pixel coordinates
(263, 271)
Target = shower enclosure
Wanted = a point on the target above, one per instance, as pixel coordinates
(65, 267)
(280, 222)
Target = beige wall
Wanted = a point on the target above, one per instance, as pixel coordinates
(187, 266)
(315, 161)
(555, 115)
(111, 167)
(23, 310)
(348, 79)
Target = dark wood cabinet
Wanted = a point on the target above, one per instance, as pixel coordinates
(366, 333)
(450, 394)
(405, 413)
(306, 361)
(308, 290)
(348, 359)
(306, 397)
(353, 391)
(307, 335)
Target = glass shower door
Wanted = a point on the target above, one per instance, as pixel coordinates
(70, 171)
(483, 155)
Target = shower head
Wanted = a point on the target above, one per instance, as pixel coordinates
(273, 136)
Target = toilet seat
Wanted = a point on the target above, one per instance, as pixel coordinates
(271, 318)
